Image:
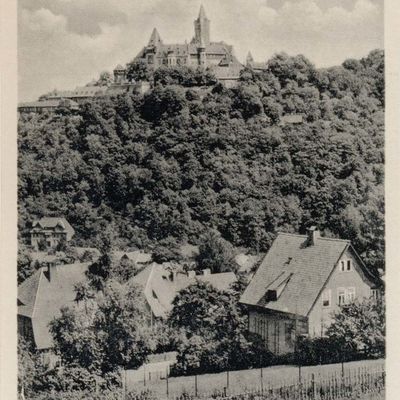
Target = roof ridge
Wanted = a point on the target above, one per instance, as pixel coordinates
(321, 237)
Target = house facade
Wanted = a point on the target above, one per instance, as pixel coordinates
(301, 282)
(50, 231)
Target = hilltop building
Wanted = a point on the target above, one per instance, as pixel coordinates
(302, 280)
(50, 231)
(200, 52)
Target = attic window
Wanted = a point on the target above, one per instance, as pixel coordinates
(277, 287)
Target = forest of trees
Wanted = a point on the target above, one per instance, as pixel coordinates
(181, 160)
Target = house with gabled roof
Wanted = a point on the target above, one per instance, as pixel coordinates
(162, 282)
(50, 231)
(301, 282)
(41, 297)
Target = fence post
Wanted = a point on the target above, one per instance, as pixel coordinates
(195, 385)
(313, 389)
(166, 378)
(261, 379)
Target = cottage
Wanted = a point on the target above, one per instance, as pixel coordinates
(50, 231)
(162, 282)
(42, 295)
(300, 282)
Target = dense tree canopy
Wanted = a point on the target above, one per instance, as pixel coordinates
(180, 161)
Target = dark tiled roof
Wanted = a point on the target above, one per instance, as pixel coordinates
(42, 298)
(308, 266)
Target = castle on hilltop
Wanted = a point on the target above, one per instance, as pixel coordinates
(200, 52)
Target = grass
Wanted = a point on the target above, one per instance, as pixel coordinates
(246, 380)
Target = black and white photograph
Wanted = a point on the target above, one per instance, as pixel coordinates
(200, 200)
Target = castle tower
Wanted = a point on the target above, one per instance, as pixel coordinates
(119, 74)
(155, 39)
(202, 28)
(249, 59)
(201, 50)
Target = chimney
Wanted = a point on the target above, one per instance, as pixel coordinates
(206, 271)
(313, 235)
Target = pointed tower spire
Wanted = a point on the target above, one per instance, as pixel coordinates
(155, 38)
(202, 28)
(249, 58)
(202, 13)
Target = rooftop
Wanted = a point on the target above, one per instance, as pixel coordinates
(298, 269)
(161, 284)
(42, 295)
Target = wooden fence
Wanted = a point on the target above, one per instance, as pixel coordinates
(362, 383)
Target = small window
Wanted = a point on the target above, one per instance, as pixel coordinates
(342, 266)
(341, 296)
(375, 294)
(326, 298)
(348, 265)
(351, 294)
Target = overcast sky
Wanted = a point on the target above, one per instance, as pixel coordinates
(67, 43)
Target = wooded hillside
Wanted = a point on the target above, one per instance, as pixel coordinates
(180, 160)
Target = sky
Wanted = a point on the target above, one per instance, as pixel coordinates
(67, 43)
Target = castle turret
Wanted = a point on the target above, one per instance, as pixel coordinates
(119, 74)
(249, 59)
(201, 50)
(202, 28)
(155, 39)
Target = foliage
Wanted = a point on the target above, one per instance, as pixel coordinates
(25, 267)
(108, 333)
(184, 76)
(138, 71)
(216, 254)
(212, 331)
(177, 162)
(360, 327)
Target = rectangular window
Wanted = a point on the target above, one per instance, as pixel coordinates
(341, 296)
(375, 294)
(350, 294)
(342, 266)
(348, 265)
(326, 298)
(288, 333)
